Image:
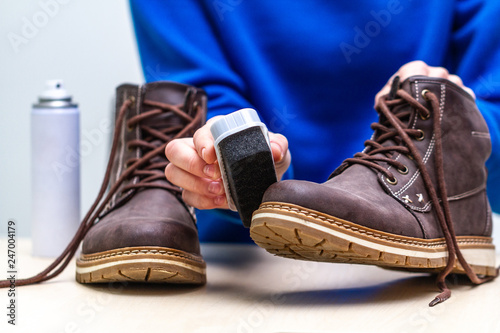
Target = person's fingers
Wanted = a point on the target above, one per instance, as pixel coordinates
(469, 91)
(182, 153)
(201, 183)
(281, 154)
(204, 202)
(192, 183)
(419, 67)
(458, 81)
(438, 72)
(412, 68)
(204, 142)
(279, 146)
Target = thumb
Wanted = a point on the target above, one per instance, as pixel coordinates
(279, 146)
(281, 154)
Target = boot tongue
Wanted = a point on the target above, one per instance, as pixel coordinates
(394, 87)
(163, 120)
(166, 93)
(406, 84)
(396, 110)
(397, 84)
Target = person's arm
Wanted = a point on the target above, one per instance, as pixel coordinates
(178, 42)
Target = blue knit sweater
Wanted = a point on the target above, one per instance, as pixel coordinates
(312, 68)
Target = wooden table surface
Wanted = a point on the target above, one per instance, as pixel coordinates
(249, 290)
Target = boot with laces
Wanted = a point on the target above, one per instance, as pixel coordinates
(414, 199)
(147, 233)
(139, 229)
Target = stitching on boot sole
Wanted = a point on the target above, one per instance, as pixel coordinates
(434, 244)
(89, 258)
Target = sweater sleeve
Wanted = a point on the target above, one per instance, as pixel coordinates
(475, 50)
(179, 41)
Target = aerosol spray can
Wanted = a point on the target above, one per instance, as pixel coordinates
(55, 170)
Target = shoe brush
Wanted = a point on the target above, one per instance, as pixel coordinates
(245, 159)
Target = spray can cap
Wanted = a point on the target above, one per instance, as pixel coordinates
(55, 96)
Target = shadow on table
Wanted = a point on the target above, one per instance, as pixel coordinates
(394, 291)
(233, 256)
(144, 289)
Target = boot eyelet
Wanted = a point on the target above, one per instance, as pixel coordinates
(424, 93)
(424, 117)
(392, 181)
(403, 171)
(421, 136)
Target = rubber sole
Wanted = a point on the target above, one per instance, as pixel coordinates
(295, 232)
(141, 264)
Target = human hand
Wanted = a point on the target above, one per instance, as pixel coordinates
(421, 68)
(194, 167)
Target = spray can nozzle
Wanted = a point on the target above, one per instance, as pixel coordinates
(54, 96)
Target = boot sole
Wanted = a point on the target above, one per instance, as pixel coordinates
(146, 264)
(295, 232)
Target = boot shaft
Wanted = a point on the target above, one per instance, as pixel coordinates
(465, 138)
(466, 146)
(165, 97)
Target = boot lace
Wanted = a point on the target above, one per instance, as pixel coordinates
(393, 127)
(148, 169)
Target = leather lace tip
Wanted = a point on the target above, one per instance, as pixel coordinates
(436, 301)
(440, 298)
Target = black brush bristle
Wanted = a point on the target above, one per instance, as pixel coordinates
(249, 166)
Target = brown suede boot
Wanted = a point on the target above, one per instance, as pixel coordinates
(146, 233)
(414, 199)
